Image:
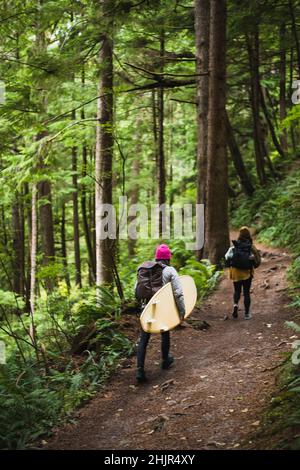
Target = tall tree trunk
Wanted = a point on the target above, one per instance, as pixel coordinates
(33, 247)
(33, 260)
(171, 179)
(44, 186)
(134, 195)
(161, 168)
(152, 193)
(92, 209)
(170, 164)
(171, 135)
(104, 159)
(291, 79)
(76, 215)
(47, 226)
(22, 245)
(202, 22)
(4, 231)
(238, 159)
(295, 32)
(282, 94)
(85, 222)
(28, 202)
(270, 124)
(76, 231)
(253, 52)
(217, 177)
(64, 244)
(18, 246)
(84, 211)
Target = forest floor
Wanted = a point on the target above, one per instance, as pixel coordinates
(216, 393)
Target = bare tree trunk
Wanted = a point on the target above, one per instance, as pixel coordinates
(92, 217)
(76, 231)
(171, 199)
(291, 79)
(47, 228)
(76, 216)
(155, 145)
(104, 159)
(44, 186)
(18, 246)
(134, 196)
(28, 202)
(85, 222)
(253, 52)
(33, 247)
(170, 165)
(64, 244)
(282, 95)
(238, 159)
(295, 32)
(161, 169)
(92, 210)
(202, 23)
(270, 124)
(84, 210)
(5, 238)
(134, 193)
(217, 178)
(22, 246)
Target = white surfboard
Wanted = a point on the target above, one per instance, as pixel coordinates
(161, 313)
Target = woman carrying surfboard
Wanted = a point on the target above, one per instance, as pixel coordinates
(151, 277)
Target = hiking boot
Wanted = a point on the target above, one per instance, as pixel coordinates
(235, 311)
(167, 362)
(141, 376)
(225, 316)
(248, 316)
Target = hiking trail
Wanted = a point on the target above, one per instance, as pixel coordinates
(216, 392)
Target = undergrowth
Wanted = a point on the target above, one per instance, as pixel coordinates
(58, 359)
(274, 213)
(42, 382)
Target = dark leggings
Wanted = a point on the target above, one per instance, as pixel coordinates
(246, 285)
(142, 346)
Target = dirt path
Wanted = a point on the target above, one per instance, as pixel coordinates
(216, 392)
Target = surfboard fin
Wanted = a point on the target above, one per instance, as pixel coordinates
(164, 328)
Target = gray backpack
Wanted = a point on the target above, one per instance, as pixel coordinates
(149, 280)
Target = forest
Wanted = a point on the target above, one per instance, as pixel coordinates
(151, 104)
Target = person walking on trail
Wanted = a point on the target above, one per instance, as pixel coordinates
(151, 277)
(241, 259)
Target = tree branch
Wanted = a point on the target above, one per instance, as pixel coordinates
(158, 75)
(26, 63)
(147, 86)
(17, 14)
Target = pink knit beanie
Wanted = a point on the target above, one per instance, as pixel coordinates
(163, 252)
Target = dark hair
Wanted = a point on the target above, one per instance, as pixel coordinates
(164, 261)
(245, 234)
